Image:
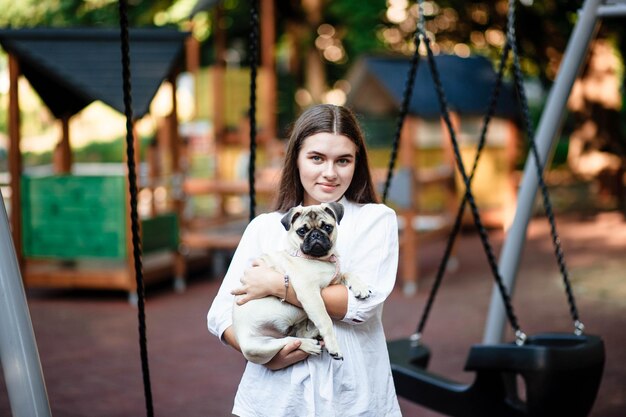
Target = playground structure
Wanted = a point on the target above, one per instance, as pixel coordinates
(221, 179)
(215, 183)
(68, 221)
(425, 191)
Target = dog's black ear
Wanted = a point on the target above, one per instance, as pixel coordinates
(335, 209)
(290, 217)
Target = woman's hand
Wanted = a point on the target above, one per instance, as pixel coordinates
(258, 281)
(287, 356)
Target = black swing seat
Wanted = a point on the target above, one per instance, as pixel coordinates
(561, 373)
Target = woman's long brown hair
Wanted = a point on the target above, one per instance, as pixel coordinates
(325, 118)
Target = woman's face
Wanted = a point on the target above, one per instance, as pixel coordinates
(326, 163)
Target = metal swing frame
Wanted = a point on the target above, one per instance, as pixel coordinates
(553, 365)
(549, 124)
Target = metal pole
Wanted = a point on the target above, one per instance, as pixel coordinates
(613, 10)
(548, 127)
(18, 349)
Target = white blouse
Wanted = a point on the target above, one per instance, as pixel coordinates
(361, 384)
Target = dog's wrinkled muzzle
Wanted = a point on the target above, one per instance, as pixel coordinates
(316, 244)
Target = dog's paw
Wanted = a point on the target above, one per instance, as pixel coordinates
(360, 290)
(311, 346)
(336, 356)
(333, 349)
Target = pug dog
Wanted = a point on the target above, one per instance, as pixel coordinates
(264, 326)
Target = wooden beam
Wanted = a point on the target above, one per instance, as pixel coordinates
(219, 69)
(63, 152)
(509, 204)
(315, 75)
(174, 137)
(180, 268)
(175, 152)
(192, 56)
(15, 158)
(409, 242)
(268, 40)
(452, 200)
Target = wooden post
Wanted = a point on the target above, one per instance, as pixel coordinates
(153, 157)
(268, 38)
(510, 199)
(452, 200)
(63, 151)
(315, 76)
(409, 239)
(177, 183)
(174, 139)
(15, 159)
(175, 152)
(219, 70)
(219, 94)
(192, 57)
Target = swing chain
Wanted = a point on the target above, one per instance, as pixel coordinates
(482, 231)
(134, 217)
(254, 56)
(556, 241)
(459, 216)
(418, 37)
(421, 22)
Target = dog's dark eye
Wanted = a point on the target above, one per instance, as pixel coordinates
(327, 228)
(301, 231)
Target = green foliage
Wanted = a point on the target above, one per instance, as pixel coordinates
(31, 159)
(358, 22)
(101, 152)
(95, 152)
(69, 13)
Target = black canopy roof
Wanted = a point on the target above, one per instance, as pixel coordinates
(467, 83)
(71, 68)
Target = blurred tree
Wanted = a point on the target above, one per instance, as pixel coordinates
(543, 29)
(338, 31)
(462, 27)
(318, 40)
(66, 13)
(344, 29)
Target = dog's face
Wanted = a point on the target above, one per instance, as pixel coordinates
(313, 229)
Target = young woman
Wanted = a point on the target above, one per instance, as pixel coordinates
(326, 161)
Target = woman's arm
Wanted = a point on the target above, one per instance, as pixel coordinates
(373, 258)
(260, 281)
(287, 356)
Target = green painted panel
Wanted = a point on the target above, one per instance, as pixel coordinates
(159, 232)
(71, 216)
